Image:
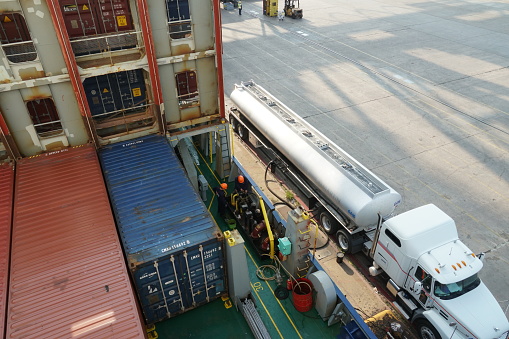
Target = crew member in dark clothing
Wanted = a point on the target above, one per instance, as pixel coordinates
(241, 185)
(220, 191)
(239, 4)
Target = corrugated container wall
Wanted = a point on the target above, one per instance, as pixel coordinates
(173, 247)
(6, 196)
(68, 276)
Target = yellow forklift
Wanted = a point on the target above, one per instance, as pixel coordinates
(291, 10)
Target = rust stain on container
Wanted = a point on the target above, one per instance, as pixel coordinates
(190, 114)
(37, 93)
(65, 250)
(181, 49)
(31, 73)
(7, 189)
(55, 146)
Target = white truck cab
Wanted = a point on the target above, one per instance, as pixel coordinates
(434, 277)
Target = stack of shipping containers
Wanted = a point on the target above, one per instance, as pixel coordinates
(74, 71)
(77, 76)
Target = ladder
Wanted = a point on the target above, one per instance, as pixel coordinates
(223, 150)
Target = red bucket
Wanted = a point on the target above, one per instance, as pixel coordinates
(302, 295)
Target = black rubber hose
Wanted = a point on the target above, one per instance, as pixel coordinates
(271, 191)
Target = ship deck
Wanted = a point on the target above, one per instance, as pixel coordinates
(221, 319)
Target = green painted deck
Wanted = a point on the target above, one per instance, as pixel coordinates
(215, 320)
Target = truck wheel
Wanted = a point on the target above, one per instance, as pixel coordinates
(426, 330)
(329, 224)
(344, 241)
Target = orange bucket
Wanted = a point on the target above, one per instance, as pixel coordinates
(302, 295)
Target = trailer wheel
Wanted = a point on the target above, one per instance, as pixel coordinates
(426, 330)
(235, 123)
(329, 224)
(344, 241)
(243, 132)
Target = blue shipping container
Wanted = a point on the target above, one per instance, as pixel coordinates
(115, 91)
(173, 246)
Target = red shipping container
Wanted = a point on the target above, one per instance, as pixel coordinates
(13, 28)
(6, 196)
(79, 19)
(68, 276)
(114, 16)
(88, 18)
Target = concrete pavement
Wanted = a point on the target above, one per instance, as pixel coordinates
(415, 91)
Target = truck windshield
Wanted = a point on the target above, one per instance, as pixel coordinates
(453, 290)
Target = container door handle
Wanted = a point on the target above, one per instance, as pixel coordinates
(204, 272)
(190, 280)
(156, 265)
(172, 259)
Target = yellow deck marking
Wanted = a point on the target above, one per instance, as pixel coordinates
(279, 302)
(254, 262)
(266, 310)
(210, 169)
(211, 201)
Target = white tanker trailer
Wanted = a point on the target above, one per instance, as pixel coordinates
(351, 196)
(432, 274)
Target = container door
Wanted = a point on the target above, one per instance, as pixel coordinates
(13, 28)
(131, 89)
(118, 102)
(159, 289)
(114, 16)
(177, 10)
(204, 273)
(99, 95)
(115, 92)
(44, 116)
(187, 86)
(179, 282)
(79, 18)
(179, 18)
(15, 37)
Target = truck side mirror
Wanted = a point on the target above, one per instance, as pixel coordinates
(417, 288)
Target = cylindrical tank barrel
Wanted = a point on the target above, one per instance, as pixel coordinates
(336, 185)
